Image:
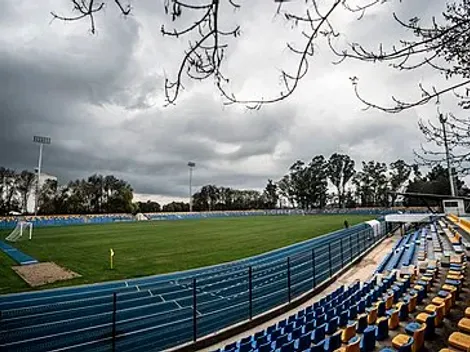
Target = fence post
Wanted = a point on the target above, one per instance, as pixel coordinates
(314, 272)
(358, 248)
(114, 320)
(329, 258)
(194, 311)
(250, 290)
(288, 279)
(341, 249)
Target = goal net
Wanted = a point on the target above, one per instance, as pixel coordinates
(23, 229)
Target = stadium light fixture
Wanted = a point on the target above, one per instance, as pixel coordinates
(41, 141)
(191, 166)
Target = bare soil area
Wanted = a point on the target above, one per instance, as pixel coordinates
(43, 273)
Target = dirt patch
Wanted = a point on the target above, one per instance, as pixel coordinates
(43, 273)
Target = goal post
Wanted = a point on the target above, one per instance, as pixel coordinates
(23, 229)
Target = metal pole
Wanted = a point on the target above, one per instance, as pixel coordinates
(190, 189)
(288, 279)
(114, 320)
(194, 311)
(443, 121)
(329, 258)
(36, 201)
(314, 273)
(358, 244)
(250, 290)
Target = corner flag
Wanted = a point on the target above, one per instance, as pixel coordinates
(111, 255)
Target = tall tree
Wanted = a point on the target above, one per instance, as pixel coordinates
(399, 173)
(372, 184)
(340, 172)
(270, 193)
(25, 184)
(286, 190)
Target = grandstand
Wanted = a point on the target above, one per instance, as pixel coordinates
(411, 298)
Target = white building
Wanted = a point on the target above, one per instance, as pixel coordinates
(32, 196)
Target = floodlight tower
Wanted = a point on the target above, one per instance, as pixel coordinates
(443, 121)
(191, 166)
(41, 141)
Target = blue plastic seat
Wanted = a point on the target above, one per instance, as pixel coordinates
(281, 340)
(361, 323)
(410, 328)
(309, 326)
(288, 328)
(266, 347)
(318, 347)
(353, 312)
(275, 334)
(381, 329)
(262, 340)
(303, 342)
(368, 339)
(332, 325)
(288, 347)
(343, 318)
(381, 308)
(296, 333)
(333, 342)
(320, 333)
(245, 347)
(321, 319)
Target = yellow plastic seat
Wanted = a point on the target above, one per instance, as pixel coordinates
(464, 325)
(454, 272)
(372, 316)
(452, 291)
(437, 301)
(431, 308)
(467, 312)
(389, 302)
(400, 340)
(460, 341)
(393, 321)
(351, 347)
(455, 277)
(412, 303)
(348, 333)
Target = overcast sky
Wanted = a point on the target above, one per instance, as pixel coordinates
(100, 98)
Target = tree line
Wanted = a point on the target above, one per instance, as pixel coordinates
(94, 195)
(333, 182)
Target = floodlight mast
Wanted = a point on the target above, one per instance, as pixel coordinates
(41, 141)
(191, 166)
(443, 121)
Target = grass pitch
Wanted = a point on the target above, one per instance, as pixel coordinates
(153, 247)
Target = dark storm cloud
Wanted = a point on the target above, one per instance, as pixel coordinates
(99, 98)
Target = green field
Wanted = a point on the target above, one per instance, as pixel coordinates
(146, 248)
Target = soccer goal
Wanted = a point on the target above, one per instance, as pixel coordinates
(22, 228)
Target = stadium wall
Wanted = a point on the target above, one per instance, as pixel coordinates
(65, 220)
